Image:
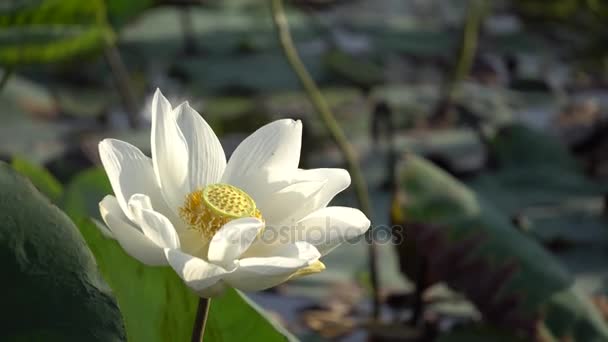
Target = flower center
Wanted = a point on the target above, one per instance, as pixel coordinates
(207, 210)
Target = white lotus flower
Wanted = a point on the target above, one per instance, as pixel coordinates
(251, 223)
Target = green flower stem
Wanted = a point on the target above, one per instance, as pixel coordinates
(470, 36)
(324, 112)
(202, 311)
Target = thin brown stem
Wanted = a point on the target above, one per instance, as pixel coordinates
(337, 134)
(121, 80)
(202, 311)
(418, 307)
(187, 27)
(6, 75)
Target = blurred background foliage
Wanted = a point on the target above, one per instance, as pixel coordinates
(481, 126)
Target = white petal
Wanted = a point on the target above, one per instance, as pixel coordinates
(328, 227)
(336, 181)
(256, 277)
(333, 180)
(207, 160)
(189, 240)
(281, 242)
(132, 240)
(277, 207)
(297, 250)
(169, 152)
(196, 273)
(272, 265)
(273, 146)
(258, 273)
(129, 170)
(284, 199)
(233, 239)
(153, 224)
(138, 202)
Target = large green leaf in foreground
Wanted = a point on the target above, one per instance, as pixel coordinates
(51, 287)
(475, 249)
(155, 303)
(46, 31)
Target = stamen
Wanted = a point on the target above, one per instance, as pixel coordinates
(207, 210)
